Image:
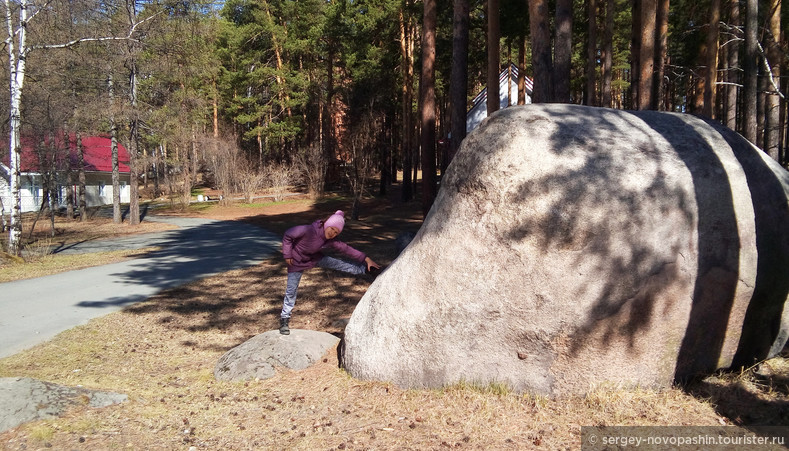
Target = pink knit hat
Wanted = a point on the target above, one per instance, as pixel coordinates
(336, 220)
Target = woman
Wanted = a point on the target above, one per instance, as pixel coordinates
(301, 247)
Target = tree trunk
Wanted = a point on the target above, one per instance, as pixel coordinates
(608, 58)
(427, 105)
(328, 128)
(563, 51)
(761, 110)
(509, 75)
(52, 183)
(116, 191)
(750, 68)
(83, 206)
(647, 54)
(385, 157)
(494, 34)
(259, 139)
(69, 176)
(542, 62)
(284, 97)
(590, 97)
(193, 145)
(711, 75)
(215, 110)
(16, 62)
(134, 140)
(661, 55)
(784, 128)
(41, 207)
(407, 73)
(773, 101)
(522, 70)
(53, 202)
(635, 53)
(732, 75)
(458, 84)
(157, 171)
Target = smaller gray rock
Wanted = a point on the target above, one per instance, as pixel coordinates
(23, 399)
(259, 357)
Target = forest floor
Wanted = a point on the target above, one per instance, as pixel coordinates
(162, 353)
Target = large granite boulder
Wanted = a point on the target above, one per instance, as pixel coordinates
(260, 356)
(570, 247)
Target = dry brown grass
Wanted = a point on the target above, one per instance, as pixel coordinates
(95, 228)
(47, 264)
(162, 354)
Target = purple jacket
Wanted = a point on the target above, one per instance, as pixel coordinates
(304, 243)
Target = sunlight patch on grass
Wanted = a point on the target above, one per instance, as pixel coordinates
(492, 388)
(83, 426)
(200, 207)
(272, 204)
(41, 432)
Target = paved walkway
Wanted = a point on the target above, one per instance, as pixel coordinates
(35, 310)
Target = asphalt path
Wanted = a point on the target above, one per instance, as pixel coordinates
(35, 310)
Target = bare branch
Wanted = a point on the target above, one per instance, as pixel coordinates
(720, 83)
(81, 40)
(41, 8)
(735, 39)
(77, 41)
(769, 71)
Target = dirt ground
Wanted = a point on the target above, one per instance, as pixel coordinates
(162, 354)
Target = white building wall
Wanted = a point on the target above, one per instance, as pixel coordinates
(97, 193)
(30, 194)
(100, 194)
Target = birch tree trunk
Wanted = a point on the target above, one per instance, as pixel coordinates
(17, 56)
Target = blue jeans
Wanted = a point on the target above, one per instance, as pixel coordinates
(326, 262)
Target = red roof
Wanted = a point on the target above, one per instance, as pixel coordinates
(96, 153)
